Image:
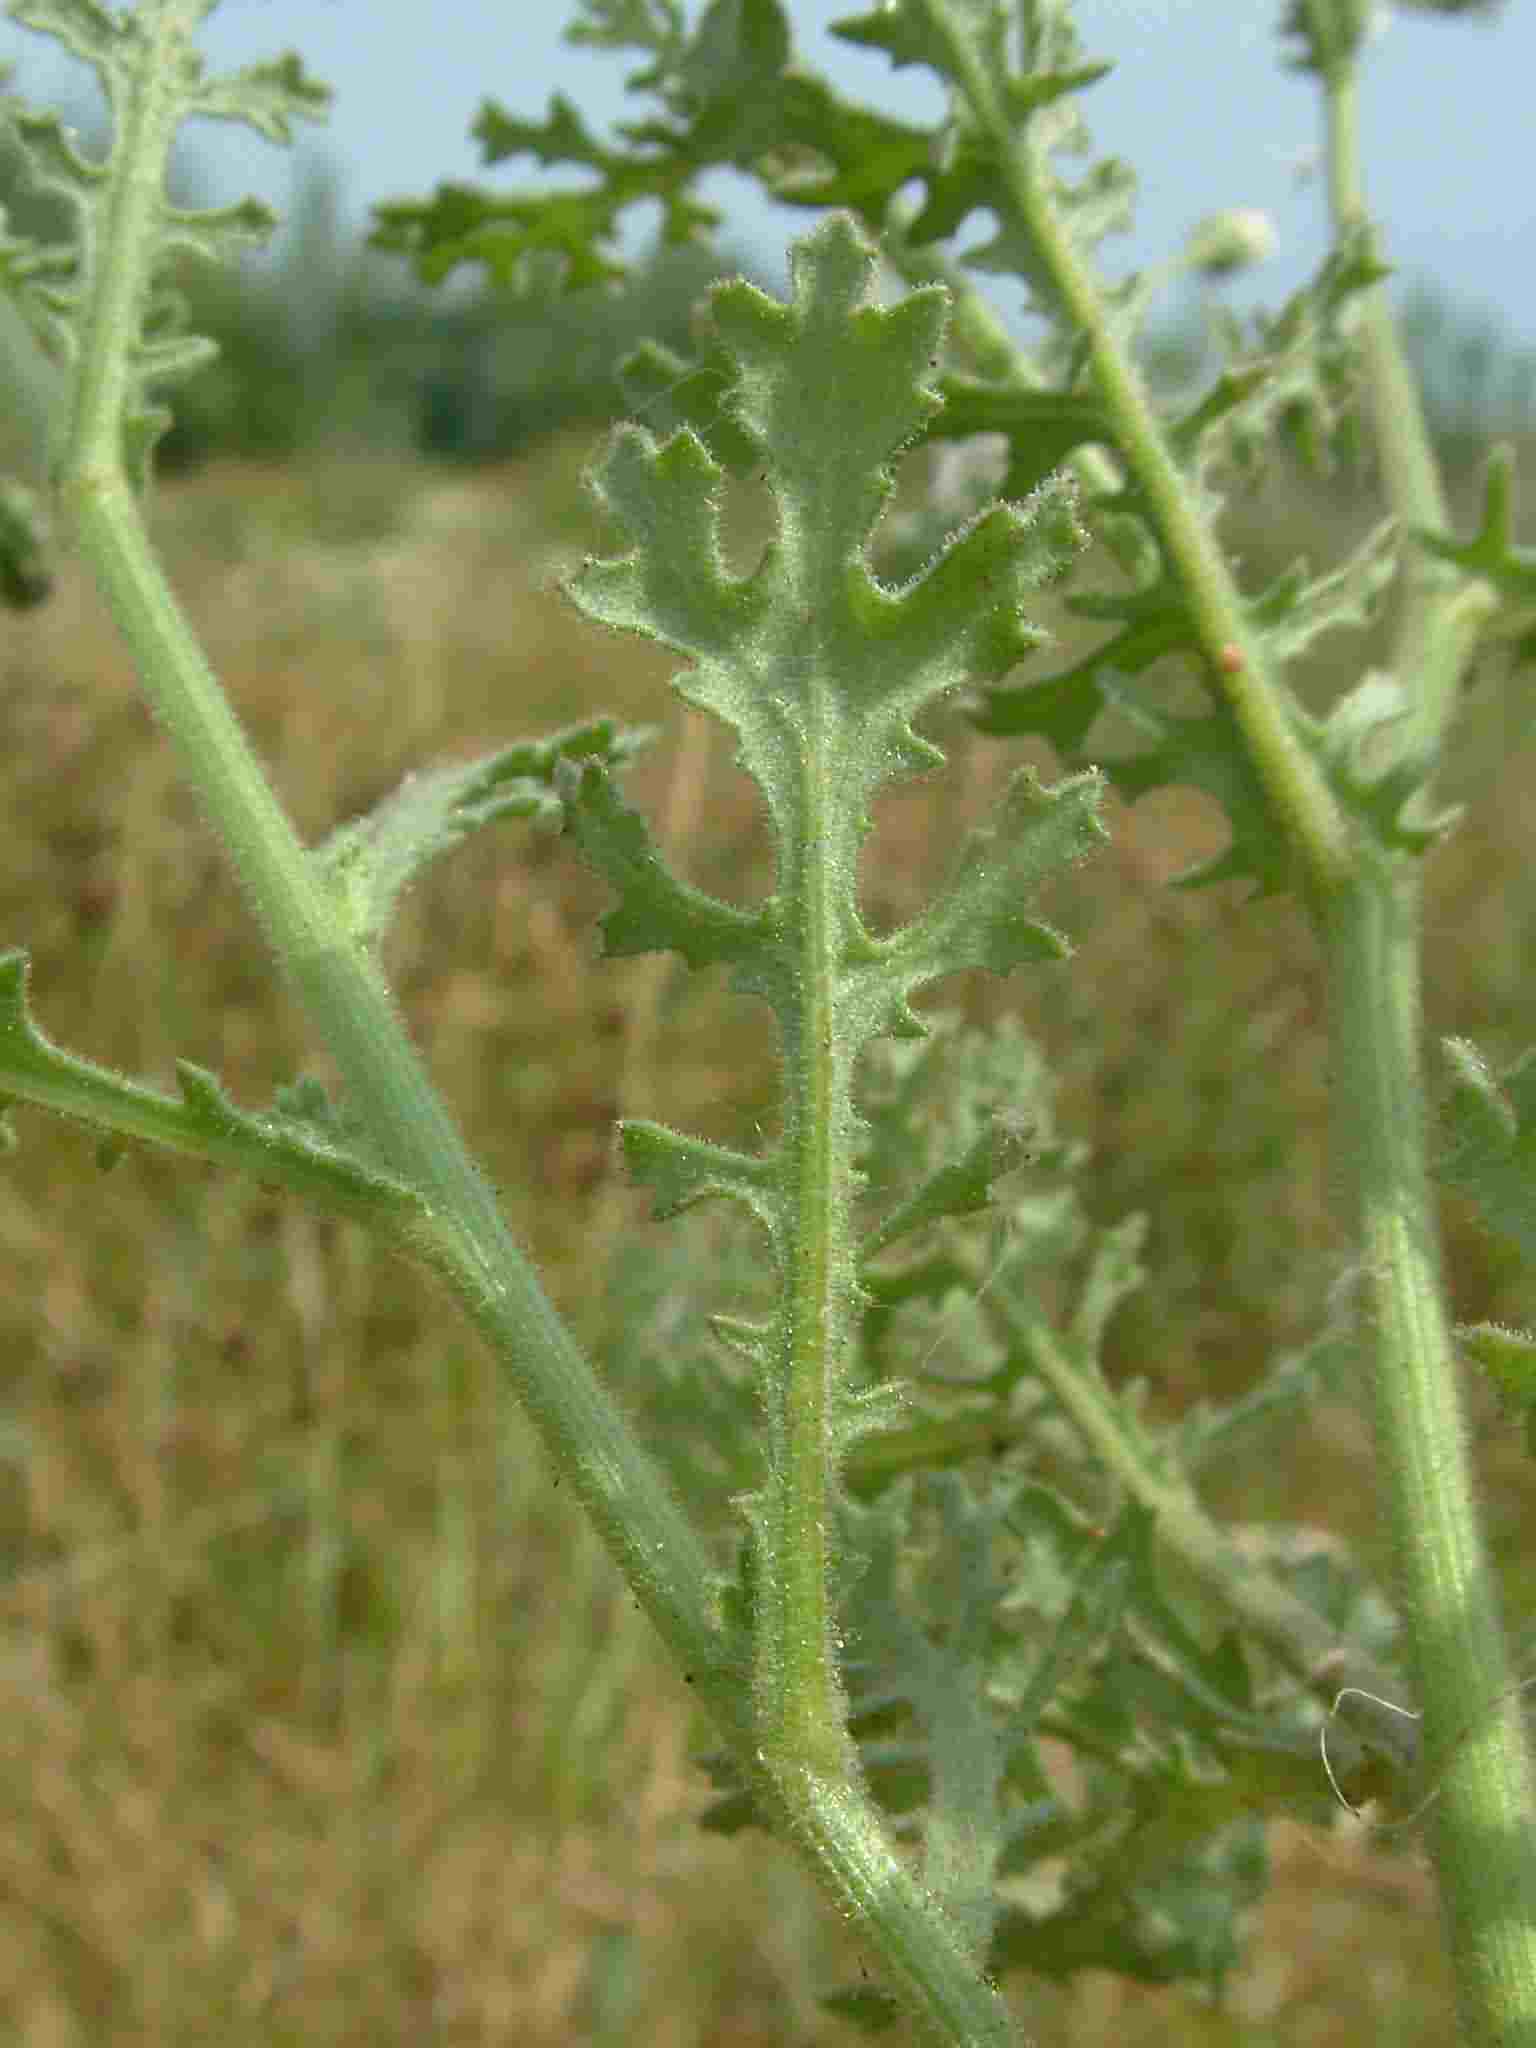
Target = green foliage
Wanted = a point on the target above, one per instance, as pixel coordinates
(1494, 556)
(49, 283)
(819, 669)
(305, 1142)
(943, 1535)
(1508, 1357)
(983, 1616)
(370, 861)
(321, 341)
(810, 658)
(25, 579)
(1150, 494)
(300, 1144)
(1488, 1140)
(1292, 372)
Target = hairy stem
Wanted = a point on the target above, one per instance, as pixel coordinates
(1480, 1821)
(794, 1751)
(1365, 905)
(1372, 931)
(1312, 818)
(333, 978)
(352, 1009)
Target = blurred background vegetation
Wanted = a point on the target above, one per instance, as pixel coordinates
(326, 1722)
(325, 345)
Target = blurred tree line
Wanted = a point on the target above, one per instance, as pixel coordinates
(325, 342)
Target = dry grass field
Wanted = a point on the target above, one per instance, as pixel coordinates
(325, 1721)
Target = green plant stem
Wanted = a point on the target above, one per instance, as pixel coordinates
(469, 1244)
(816, 1800)
(801, 1713)
(1481, 1819)
(1441, 613)
(1312, 819)
(335, 980)
(976, 325)
(1295, 1632)
(468, 1240)
(1366, 908)
(1372, 934)
(1301, 796)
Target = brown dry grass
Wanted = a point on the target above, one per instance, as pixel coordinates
(324, 1719)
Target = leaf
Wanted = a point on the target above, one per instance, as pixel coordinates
(681, 1171)
(152, 78)
(980, 919)
(820, 669)
(290, 1146)
(1493, 556)
(1298, 608)
(1369, 746)
(25, 578)
(729, 97)
(370, 861)
(1042, 427)
(963, 1187)
(656, 910)
(898, 1651)
(1492, 551)
(1293, 372)
(1204, 749)
(670, 392)
(1488, 1140)
(1507, 1357)
(811, 649)
(268, 97)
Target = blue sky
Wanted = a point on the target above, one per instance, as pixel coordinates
(1197, 103)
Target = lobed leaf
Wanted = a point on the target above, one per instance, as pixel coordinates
(151, 76)
(681, 1171)
(1375, 764)
(1507, 1357)
(1204, 749)
(1493, 555)
(812, 624)
(371, 860)
(294, 1145)
(1488, 1140)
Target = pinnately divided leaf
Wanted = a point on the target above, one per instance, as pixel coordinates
(820, 668)
(318, 1160)
(151, 75)
(817, 665)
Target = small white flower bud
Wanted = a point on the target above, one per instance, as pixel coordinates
(1229, 241)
